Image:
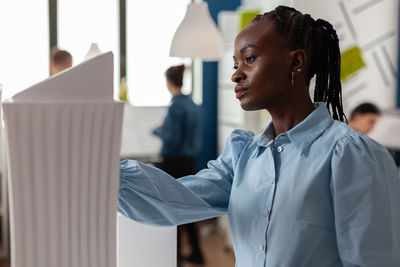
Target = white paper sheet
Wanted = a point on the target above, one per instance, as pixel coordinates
(64, 137)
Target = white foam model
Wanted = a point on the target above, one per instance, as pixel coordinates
(64, 137)
(90, 81)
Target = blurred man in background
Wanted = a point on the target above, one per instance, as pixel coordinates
(181, 137)
(59, 60)
(364, 117)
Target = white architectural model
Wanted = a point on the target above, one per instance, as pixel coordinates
(64, 137)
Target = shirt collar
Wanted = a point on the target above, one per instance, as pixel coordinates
(304, 133)
(177, 96)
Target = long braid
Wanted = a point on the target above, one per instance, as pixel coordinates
(321, 44)
(328, 87)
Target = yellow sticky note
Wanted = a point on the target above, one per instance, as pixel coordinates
(246, 17)
(351, 62)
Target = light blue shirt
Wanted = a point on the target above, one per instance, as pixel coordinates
(319, 195)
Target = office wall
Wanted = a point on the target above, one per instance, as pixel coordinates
(263, 5)
(372, 26)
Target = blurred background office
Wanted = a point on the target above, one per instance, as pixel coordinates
(140, 32)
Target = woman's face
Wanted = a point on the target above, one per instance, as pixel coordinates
(262, 66)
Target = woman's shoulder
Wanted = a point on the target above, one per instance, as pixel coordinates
(238, 139)
(240, 134)
(350, 139)
(357, 155)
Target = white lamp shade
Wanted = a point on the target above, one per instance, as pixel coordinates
(197, 36)
(93, 51)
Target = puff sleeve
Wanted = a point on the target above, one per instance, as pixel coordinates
(366, 197)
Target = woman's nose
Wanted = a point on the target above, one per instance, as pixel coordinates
(237, 76)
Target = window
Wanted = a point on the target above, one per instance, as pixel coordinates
(150, 29)
(24, 45)
(81, 23)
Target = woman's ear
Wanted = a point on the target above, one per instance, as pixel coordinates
(298, 60)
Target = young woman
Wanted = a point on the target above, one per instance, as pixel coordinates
(308, 191)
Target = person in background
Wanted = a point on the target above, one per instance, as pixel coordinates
(181, 140)
(59, 60)
(308, 191)
(364, 117)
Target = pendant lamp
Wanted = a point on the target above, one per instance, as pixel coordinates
(197, 36)
(93, 51)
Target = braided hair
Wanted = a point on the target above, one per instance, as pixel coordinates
(319, 41)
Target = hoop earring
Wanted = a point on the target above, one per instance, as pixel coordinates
(292, 79)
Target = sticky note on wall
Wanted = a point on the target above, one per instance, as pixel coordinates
(246, 17)
(351, 62)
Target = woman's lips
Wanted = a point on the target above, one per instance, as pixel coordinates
(239, 91)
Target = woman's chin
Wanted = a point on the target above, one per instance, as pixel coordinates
(247, 106)
(249, 102)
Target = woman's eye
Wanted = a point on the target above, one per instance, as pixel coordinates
(250, 59)
(235, 66)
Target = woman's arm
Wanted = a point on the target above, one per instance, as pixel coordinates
(151, 196)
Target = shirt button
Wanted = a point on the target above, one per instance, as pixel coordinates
(261, 247)
(272, 180)
(266, 213)
(279, 148)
